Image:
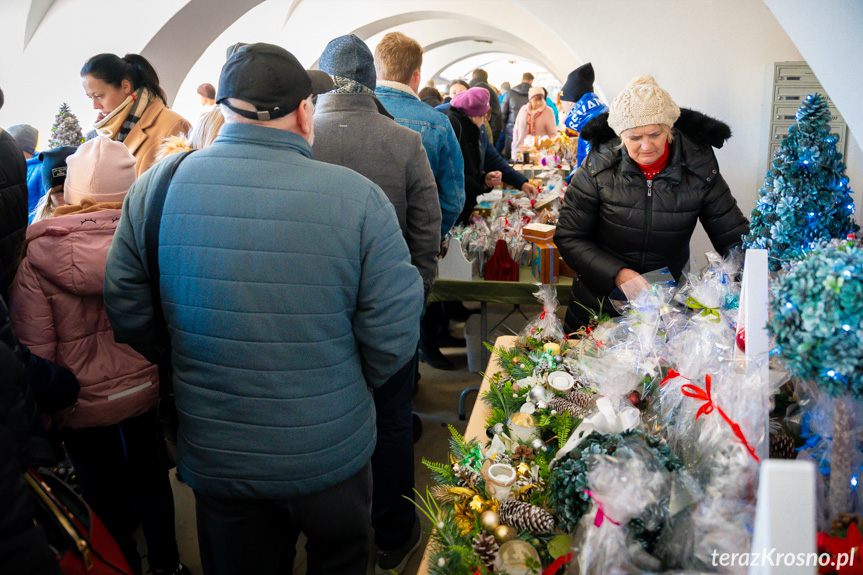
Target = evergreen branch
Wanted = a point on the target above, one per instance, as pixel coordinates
(456, 435)
(441, 472)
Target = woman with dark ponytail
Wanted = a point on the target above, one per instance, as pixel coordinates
(132, 106)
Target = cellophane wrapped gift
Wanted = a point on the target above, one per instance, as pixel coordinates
(545, 327)
(713, 293)
(479, 244)
(623, 488)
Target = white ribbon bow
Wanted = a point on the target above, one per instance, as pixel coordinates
(608, 420)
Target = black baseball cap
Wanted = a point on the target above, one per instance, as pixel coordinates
(270, 78)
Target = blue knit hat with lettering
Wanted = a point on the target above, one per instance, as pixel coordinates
(54, 166)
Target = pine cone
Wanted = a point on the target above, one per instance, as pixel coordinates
(486, 547)
(782, 447)
(813, 112)
(467, 477)
(523, 452)
(501, 458)
(562, 405)
(580, 398)
(526, 517)
(527, 481)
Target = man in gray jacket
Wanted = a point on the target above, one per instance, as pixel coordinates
(288, 292)
(353, 129)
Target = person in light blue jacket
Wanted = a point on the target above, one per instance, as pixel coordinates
(398, 60)
(288, 291)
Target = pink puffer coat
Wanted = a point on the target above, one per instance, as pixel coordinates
(58, 312)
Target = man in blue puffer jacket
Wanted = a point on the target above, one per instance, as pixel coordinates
(288, 292)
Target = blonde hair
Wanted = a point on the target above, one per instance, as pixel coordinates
(201, 136)
(45, 207)
(397, 57)
(206, 130)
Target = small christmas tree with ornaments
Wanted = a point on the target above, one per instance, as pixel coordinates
(805, 197)
(66, 130)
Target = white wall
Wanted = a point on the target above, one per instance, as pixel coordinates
(37, 81)
(710, 55)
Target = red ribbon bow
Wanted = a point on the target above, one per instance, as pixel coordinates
(671, 375)
(542, 315)
(600, 513)
(704, 395)
(557, 564)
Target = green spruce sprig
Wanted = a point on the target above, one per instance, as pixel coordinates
(449, 551)
(441, 473)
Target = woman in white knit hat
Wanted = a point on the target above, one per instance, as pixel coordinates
(632, 206)
(58, 312)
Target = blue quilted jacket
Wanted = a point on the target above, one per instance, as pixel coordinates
(288, 291)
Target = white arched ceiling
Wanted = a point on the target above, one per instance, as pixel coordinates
(296, 26)
(437, 29)
(450, 54)
(35, 15)
(180, 42)
(174, 51)
(460, 48)
(490, 62)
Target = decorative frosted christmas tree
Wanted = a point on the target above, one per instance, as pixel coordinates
(66, 130)
(805, 197)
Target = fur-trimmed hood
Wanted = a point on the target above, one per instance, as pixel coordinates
(698, 127)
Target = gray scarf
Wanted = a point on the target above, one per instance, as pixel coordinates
(348, 86)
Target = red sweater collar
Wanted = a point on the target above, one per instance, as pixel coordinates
(655, 167)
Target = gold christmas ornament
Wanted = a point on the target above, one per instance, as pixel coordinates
(552, 347)
(523, 419)
(477, 504)
(489, 520)
(504, 533)
(522, 426)
(516, 557)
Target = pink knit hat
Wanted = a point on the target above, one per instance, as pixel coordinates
(101, 169)
(473, 102)
(535, 91)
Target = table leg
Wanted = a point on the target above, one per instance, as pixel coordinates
(461, 398)
(483, 329)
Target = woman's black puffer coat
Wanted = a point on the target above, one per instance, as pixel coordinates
(611, 219)
(467, 134)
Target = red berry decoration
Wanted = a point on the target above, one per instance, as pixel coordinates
(741, 339)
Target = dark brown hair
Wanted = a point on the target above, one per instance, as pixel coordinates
(112, 70)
